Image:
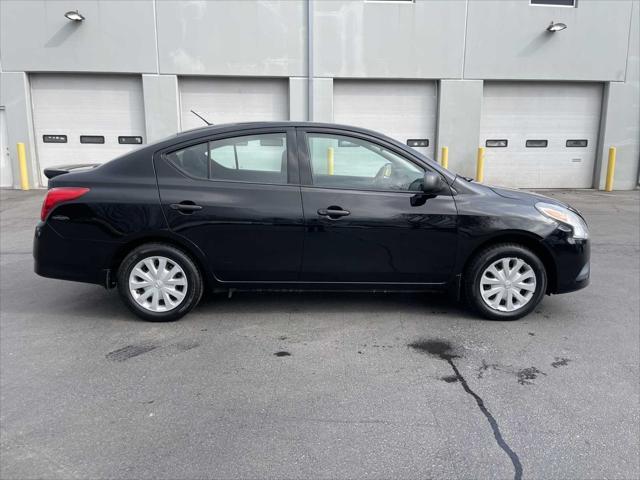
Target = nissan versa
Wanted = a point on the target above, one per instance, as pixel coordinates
(295, 206)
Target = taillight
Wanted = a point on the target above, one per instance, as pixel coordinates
(59, 195)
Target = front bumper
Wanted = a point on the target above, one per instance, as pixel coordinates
(572, 261)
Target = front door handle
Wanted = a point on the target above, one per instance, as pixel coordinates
(186, 207)
(333, 212)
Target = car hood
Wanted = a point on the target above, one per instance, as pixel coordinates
(525, 196)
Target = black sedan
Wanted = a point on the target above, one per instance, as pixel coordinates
(295, 206)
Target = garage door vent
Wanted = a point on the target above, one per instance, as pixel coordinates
(496, 143)
(91, 139)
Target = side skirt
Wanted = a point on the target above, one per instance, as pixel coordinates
(351, 287)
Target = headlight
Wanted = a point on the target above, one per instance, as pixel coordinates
(565, 216)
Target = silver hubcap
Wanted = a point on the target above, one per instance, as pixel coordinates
(158, 284)
(508, 284)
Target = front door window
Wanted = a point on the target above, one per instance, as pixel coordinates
(351, 163)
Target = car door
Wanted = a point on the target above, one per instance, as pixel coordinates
(366, 217)
(237, 197)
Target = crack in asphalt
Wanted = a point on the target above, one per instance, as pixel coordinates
(443, 350)
(515, 460)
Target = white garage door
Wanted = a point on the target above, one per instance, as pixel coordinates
(228, 100)
(403, 110)
(85, 118)
(550, 131)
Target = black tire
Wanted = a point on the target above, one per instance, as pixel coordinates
(193, 276)
(483, 260)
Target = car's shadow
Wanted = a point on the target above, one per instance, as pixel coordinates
(331, 303)
(74, 300)
(89, 301)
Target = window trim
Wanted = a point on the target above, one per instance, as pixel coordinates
(304, 159)
(293, 174)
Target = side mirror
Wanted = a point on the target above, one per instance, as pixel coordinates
(432, 183)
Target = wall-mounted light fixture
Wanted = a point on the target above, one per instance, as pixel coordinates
(75, 16)
(555, 27)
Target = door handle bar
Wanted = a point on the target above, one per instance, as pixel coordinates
(185, 207)
(331, 212)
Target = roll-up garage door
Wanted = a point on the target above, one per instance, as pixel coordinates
(540, 135)
(402, 109)
(229, 100)
(85, 118)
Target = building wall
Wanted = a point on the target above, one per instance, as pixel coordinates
(507, 40)
(459, 43)
(621, 117)
(116, 37)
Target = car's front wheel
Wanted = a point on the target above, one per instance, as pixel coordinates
(505, 282)
(159, 282)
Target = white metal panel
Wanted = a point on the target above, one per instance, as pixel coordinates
(556, 112)
(6, 173)
(75, 105)
(229, 100)
(401, 109)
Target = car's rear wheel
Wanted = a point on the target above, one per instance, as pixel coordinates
(159, 282)
(505, 282)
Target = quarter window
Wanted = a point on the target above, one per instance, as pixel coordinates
(191, 160)
(351, 163)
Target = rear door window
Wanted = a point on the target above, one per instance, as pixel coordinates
(253, 158)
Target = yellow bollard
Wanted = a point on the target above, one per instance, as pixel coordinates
(611, 169)
(480, 165)
(22, 163)
(330, 164)
(445, 157)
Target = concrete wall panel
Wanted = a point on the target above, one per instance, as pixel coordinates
(621, 118)
(389, 40)
(229, 37)
(507, 39)
(459, 111)
(298, 95)
(161, 106)
(322, 100)
(15, 96)
(115, 36)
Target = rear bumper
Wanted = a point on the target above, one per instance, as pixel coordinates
(76, 260)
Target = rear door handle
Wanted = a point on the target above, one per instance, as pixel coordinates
(333, 212)
(185, 207)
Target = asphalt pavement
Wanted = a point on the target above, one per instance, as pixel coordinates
(278, 385)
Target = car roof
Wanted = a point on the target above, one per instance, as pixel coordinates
(223, 127)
